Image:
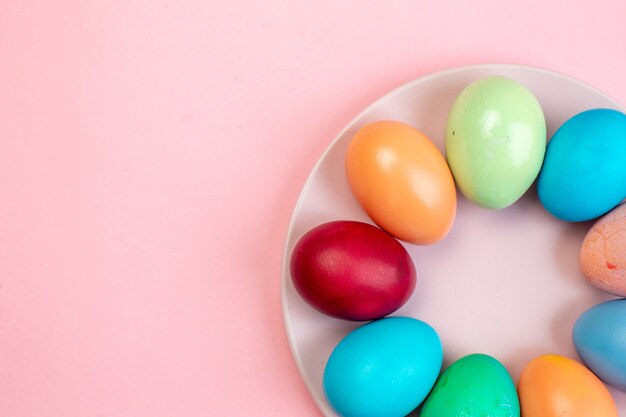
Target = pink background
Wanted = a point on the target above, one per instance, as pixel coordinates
(151, 153)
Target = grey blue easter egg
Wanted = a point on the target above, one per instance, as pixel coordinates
(495, 141)
(584, 171)
(475, 385)
(383, 369)
(600, 340)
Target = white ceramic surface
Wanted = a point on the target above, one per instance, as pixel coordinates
(504, 283)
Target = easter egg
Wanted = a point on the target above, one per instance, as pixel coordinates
(556, 386)
(352, 270)
(600, 340)
(495, 141)
(402, 181)
(584, 172)
(475, 385)
(603, 253)
(384, 368)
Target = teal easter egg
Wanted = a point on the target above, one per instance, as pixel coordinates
(474, 386)
(495, 141)
(383, 369)
(584, 172)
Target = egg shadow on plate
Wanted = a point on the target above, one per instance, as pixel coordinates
(416, 412)
(329, 186)
(567, 248)
(517, 359)
(445, 364)
(564, 320)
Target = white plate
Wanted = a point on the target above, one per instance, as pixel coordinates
(505, 283)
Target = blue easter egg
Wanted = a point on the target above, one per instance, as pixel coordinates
(383, 369)
(584, 170)
(600, 340)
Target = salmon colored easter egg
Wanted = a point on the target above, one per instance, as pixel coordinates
(603, 253)
(402, 181)
(556, 386)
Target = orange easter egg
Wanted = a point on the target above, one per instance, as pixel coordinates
(402, 181)
(556, 386)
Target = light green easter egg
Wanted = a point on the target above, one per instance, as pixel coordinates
(474, 386)
(495, 141)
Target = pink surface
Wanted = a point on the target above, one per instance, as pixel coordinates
(151, 154)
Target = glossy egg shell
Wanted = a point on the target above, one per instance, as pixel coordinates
(600, 339)
(402, 181)
(584, 171)
(556, 386)
(352, 270)
(495, 141)
(384, 368)
(603, 252)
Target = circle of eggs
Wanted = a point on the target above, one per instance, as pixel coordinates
(495, 148)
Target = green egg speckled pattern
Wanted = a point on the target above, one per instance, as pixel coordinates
(474, 386)
(495, 141)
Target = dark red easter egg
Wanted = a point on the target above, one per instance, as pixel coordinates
(352, 270)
